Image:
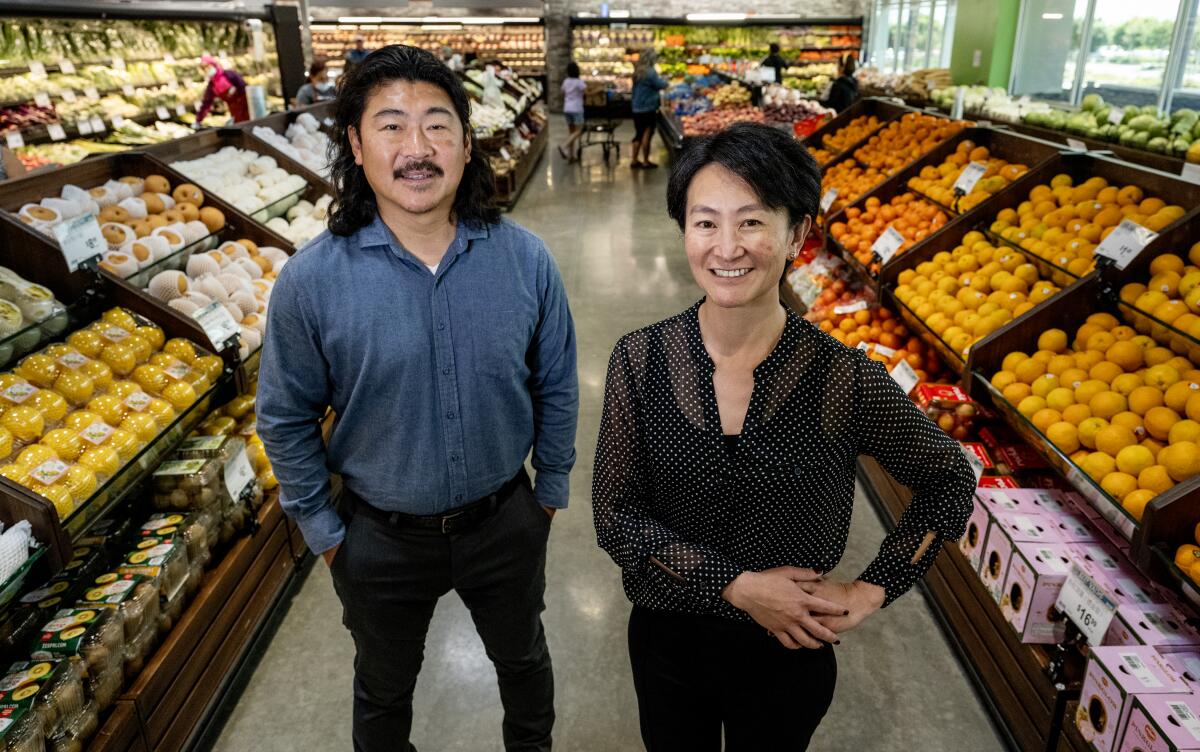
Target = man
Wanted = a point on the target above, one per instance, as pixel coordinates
(775, 61)
(441, 338)
(356, 56)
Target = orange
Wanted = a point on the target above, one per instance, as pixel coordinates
(1187, 555)
(1126, 383)
(1129, 195)
(1135, 502)
(1014, 393)
(1054, 340)
(1075, 414)
(1166, 262)
(1126, 354)
(1002, 379)
(1184, 430)
(1155, 478)
(1159, 421)
(1107, 404)
(1088, 429)
(1192, 409)
(1028, 370)
(1031, 405)
(1097, 465)
(1134, 459)
(1105, 371)
(1112, 439)
(1045, 418)
(1161, 376)
(1090, 388)
(1064, 436)
(1130, 420)
(1177, 395)
(1182, 460)
(1119, 485)
(1144, 398)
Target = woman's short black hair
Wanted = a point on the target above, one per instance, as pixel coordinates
(849, 64)
(572, 70)
(775, 165)
(355, 206)
(316, 69)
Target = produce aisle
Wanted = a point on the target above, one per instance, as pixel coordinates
(624, 267)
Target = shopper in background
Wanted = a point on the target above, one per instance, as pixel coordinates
(724, 473)
(572, 89)
(318, 88)
(646, 86)
(228, 85)
(775, 61)
(440, 336)
(844, 90)
(356, 56)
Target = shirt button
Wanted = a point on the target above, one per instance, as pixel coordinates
(454, 458)
(441, 325)
(450, 415)
(445, 371)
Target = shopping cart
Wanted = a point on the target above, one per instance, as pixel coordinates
(600, 133)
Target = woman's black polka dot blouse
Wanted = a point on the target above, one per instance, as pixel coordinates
(683, 516)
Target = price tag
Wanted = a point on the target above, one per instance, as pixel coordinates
(68, 95)
(1086, 604)
(217, 323)
(905, 376)
(90, 92)
(97, 433)
(1075, 144)
(127, 90)
(1115, 116)
(84, 127)
(976, 464)
(1124, 243)
(66, 66)
(118, 63)
(41, 99)
(56, 132)
(37, 70)
(828, 199)
(956, 110)
(238, 474)
(1190, 172)
(969, 177)
(97, 123)
(504, 153)
(180, 110)
(118, 121)
(886, 245)
(80, 240)
(162, 112)
(14, 139)
(883, 350)
(138, 401)
(858, 305)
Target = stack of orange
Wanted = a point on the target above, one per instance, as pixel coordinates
(906, 139)
(822, 156)
(1171, 295)
(878, 326)
(910, 216)
(850, 134)
(938, 182)
(1063, 222)
(851, 181)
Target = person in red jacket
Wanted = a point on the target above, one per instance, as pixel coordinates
(229, 86)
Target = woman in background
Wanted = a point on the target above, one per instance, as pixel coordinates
(844, 91)
(646, 86)
(572, 89)
(226, 84)
(318, 88)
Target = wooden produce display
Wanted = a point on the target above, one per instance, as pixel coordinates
(883, 110)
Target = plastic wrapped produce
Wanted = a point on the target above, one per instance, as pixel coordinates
(22, 730)
(14, 549)
(137, 649)
(197, 529)
(164, 560)
(183, 485)
(96, 639)
(170, 612)
(52, 689)
(133, 596)
(86, 564)
(110, 534)
(73, 736)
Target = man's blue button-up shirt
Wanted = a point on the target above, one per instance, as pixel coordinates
(441, 383)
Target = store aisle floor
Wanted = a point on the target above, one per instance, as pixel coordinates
(899, 688)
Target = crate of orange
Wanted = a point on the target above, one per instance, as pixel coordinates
(859, 113)
(912, 217)
(904, 140)
(883, 336)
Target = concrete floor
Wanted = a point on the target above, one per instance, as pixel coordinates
(900, 687)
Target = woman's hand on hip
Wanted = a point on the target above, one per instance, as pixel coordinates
(861, 599)
(780, 600)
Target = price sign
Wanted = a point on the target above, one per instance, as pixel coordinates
(1075, 144)
(56, 132)
(162, 112)
(1086, 604)
(217, 323)
(14, 139)
(1115, 116)
(886, 245)
(37, 70)
(80, 240)
(97, 123)
(118, 63)
(66, 66)
(238, 474)
(180, 110)
(41, 99)
(905, 376)
(885, 351)
(858, 305)
(127, 90)
(118, 121)
(828, 199)
(1191, 172)
(975, 463)
(969, 176)
(1125, 242)
(90, 92)
(84, 127)
(68, 95)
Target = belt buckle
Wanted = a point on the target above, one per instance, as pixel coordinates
(446, 521)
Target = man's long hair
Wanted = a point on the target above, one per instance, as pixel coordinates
(355, 205)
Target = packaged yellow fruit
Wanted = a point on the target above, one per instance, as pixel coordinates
(162, 410)
(181, 349)
(1159, 421)
(66, 443)
(1182, 460)
(1135, 502)
(24, 422)
(1155, 479)
(59, 496)
(1134, 459)
(1064, 436)
(1112, 439)
(102, 460)
(141, 425)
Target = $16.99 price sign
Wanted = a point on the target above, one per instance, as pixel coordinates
(1088, 606)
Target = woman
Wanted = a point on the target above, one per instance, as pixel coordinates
(724, 474)
(844, 90)
(572, 89)
(646, 86)
(226, 84)
(318, 88)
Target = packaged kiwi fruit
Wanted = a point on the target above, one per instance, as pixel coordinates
(21, 730)
(137, 650)
(86, 564)
(164, 560)
(52, 689)
(73, 736)
(133, 596)
(184, 485)
(198, 530)
(96, 639)
(110, 533)
(170, 611)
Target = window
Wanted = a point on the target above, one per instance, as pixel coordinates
(908, 35)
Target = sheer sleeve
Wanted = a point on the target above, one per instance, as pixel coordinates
(622, 501)
(921, 456)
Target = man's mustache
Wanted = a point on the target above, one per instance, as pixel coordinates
(422, 166)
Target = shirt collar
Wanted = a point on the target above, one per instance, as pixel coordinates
(788, 341)
(377, 234)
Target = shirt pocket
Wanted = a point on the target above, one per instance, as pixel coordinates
(500, 340)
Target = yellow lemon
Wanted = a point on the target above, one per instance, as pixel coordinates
(1134, 459)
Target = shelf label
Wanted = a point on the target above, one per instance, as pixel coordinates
(238, 474)
(180, 110)
(127, 90)
(91, 92)
(858, 305)
(828, 199)
(1086, 604)
(66, 66)
(97, 124)
(68, 95)
(1075, 144)
(37, 69)
(162, 112)
(1115, 116)
(504, 153)
(56, 132)
(14, 139)
(217, 323)
(118, 63)
(80, 240)
(41, 99)
(886, 245)
(118, 121)
(905, 376)
(969, 176)
(1125, 243)
(84, 127)
(1190, 172)
(884, 350)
